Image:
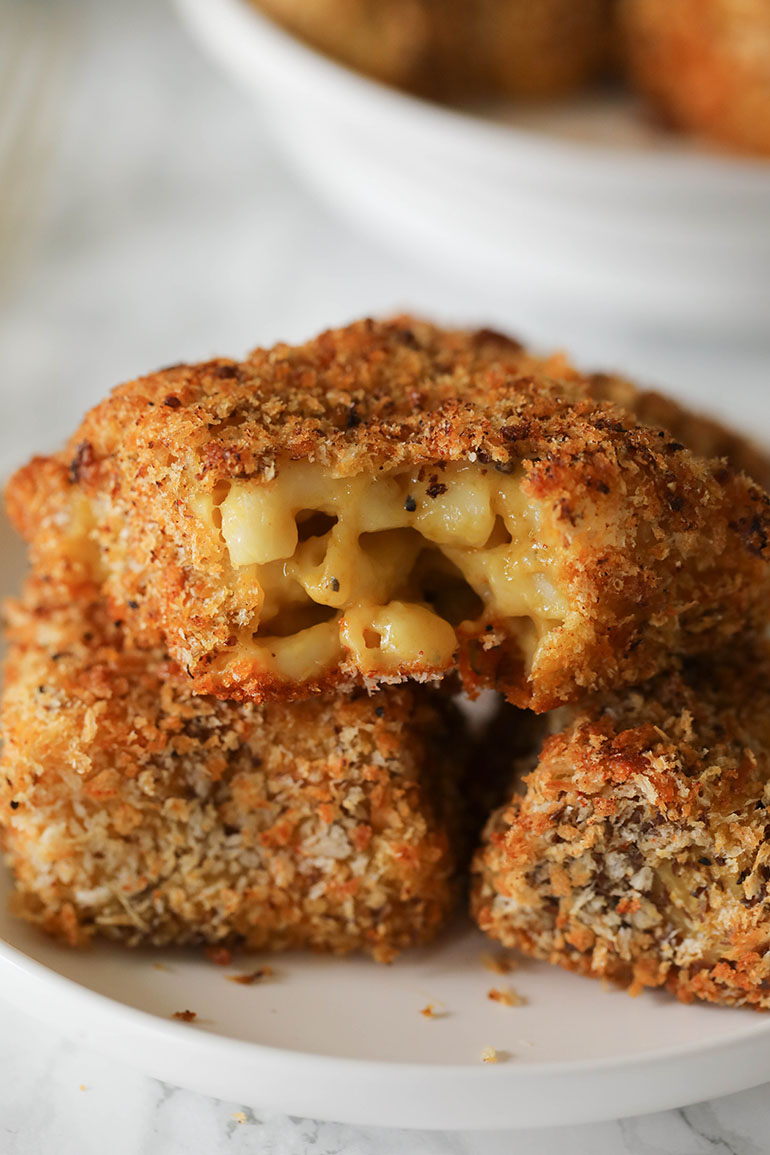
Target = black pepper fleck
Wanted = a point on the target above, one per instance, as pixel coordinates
(436, 487)
(334, 583)
(410, 505)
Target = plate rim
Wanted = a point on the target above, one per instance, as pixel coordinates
(460, 1096)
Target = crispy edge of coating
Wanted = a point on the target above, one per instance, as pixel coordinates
(114, 778)
(639, 796)
(680, 566)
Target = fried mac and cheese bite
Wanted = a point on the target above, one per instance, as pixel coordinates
(396, 501)
(704, 65)
(639, 850)
(132, 810)
(454, 48)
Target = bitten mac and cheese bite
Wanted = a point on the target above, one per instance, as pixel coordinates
(392, 500)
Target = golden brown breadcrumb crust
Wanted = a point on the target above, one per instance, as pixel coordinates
(701, 434)
(640, 850)
(704, 65)
(132, 810)
(658, 552)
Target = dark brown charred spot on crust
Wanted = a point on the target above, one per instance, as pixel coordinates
(407, 337)
(607, 425)
(83, 461)
(516, 432)
(753, 533)
(354, 417)
(676, 503)
(172, 402)
(224, 372)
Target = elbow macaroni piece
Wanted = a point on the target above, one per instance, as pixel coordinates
(384, 567)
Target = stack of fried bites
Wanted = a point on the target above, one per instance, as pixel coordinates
(255, 589)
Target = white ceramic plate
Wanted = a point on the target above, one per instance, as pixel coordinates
(344, 1039)
(581, 205)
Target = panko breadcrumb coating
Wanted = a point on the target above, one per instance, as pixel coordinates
(446, 48)
(704, 65)
(640, 849)
(394, 500)
(701, 434)
(132, 810)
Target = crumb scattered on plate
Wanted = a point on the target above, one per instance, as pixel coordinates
(185, 1016)
(251, 977)
(82, 1086)
(431, 1011)
(239, 1117)
(489, 1055)
(507, 996)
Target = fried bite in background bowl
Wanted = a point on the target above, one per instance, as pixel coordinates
(451, 48)
(132, 810)
(638, 848)
(394, 501)
(704, 65)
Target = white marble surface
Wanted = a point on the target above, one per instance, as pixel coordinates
(169, 229)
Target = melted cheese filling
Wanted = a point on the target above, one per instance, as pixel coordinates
(383, 570)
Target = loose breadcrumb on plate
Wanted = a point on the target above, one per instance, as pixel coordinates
(248, 979)
(506, 996)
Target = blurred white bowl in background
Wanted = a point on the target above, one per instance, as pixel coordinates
(577, 205)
